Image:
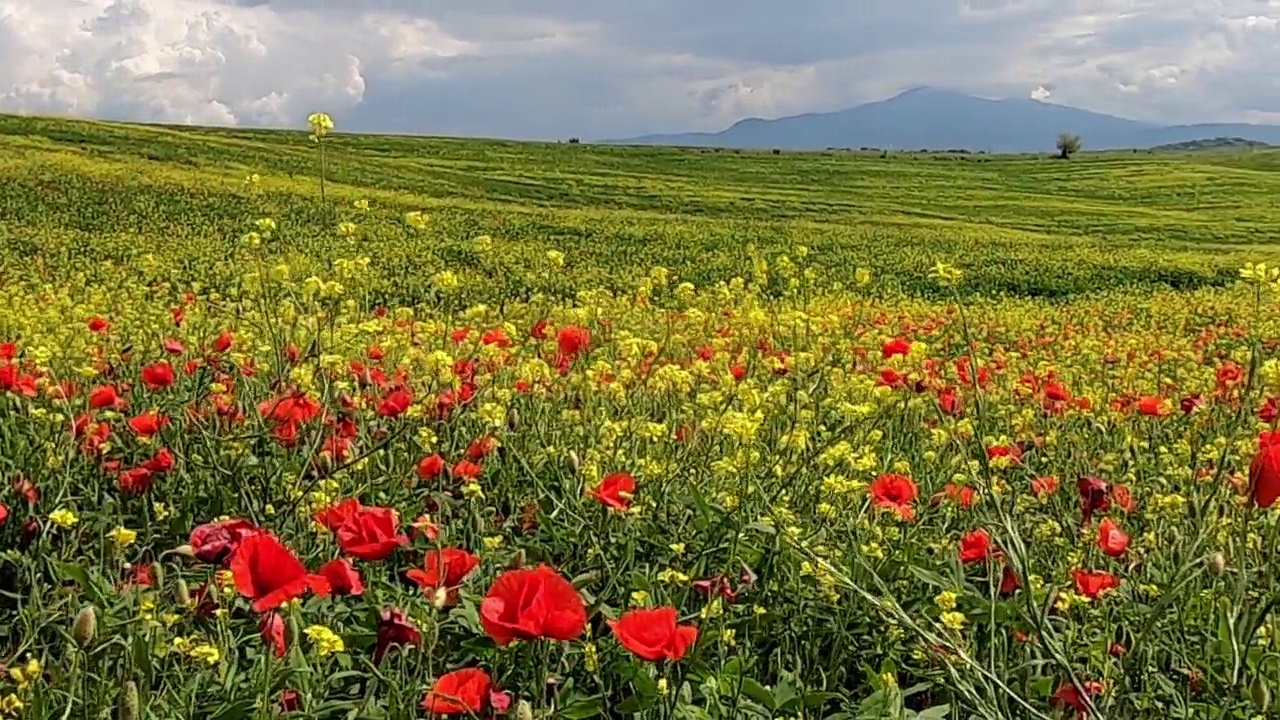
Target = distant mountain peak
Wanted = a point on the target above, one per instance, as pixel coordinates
(932, 118)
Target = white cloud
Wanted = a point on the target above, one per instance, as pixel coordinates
(583, 67)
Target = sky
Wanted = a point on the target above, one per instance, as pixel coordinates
(596, 69)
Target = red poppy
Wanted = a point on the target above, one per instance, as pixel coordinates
(158, 376)
(1009, 582)
(269, 574)
(445, 568)
(223, 342)
(1068, 697)
(395, 404)
(430, 467)
(135, 481)
(290, 701)
(343, 577)
(466, 470)
(1092, 584)
(1111, 539)
(1153, 406)
(98, 324)
(173, 346)
(394, 630)
(215, 542)
(497, 337)
(4, 514)
(161, 462)
(1047, 485)
(975, 547)
(1264, 471)
(1122, 498)
(615, 491)
(573, 340)
(539, 330)
(272, 627)
(481, 447)
(896, 493)
(532, 603)
(148, 424)
(371, 534)
(104, 397)
(1093, 497)
(461, 692)
(896, 346)
(653, 635)
(962, 495)
(337, 515)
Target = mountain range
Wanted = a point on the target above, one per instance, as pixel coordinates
(935, 119)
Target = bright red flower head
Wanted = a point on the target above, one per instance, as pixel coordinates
(896, 346)
(98, 324)
(1152, 406)
(343, 578)
(371, 534)
(532, 603)
(395, 403)
(269, 574)
(105, 396)
(1093, 497)
(339, 514)
(215, 542)
(158, 376)
(615, 491)
(1068, 697)
(481, 447)
(1264, 471)
(1111, 539)
(445, 568)
(1092, 584)
(573, 341)
(148, 424)
(653, 635)
(160, 463)
(429, 468)
(466, 470)
(461, 692)
(223, 342)
(975, 547)
(896, 493)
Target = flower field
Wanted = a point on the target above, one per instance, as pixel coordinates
(410, 452)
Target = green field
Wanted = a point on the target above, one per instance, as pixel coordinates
(1019, 225)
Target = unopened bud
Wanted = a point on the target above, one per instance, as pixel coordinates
(574, 461)
(182, 593)
(184, 550)
(513, 419)
(524, 711)
(1217, 563)
(585, 579)
(517, 560)
(1260, 693)
(86, 625)
(129, 706)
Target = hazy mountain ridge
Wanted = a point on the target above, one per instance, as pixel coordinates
(927, 118)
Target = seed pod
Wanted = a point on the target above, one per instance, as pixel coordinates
(182, 593)
(86, 625)
(1260, 693)
(524, 711)
(129, 702)
(574, 462)
(1217, 563)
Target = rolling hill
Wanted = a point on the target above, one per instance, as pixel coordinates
(934, 119)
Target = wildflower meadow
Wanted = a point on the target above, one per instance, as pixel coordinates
(282, 436)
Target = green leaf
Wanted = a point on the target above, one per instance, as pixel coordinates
(754, 690)
(633, 705)
(937, 712)
(587, 708)
(785, 696)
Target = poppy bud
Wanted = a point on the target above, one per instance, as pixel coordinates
(86, 625)
(182, 593)
(1217, 563)
(513, 419)
(30, 530)
(574, 462)
(157, 575)
(585, 579)
(185, 551)
(524, 711)
(129, 701)
(1260, 693)
(517, 560)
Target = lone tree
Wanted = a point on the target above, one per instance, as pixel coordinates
(1068, 145)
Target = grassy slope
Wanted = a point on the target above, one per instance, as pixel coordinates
(97, 191)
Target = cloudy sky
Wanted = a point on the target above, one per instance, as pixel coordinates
(615, 68)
